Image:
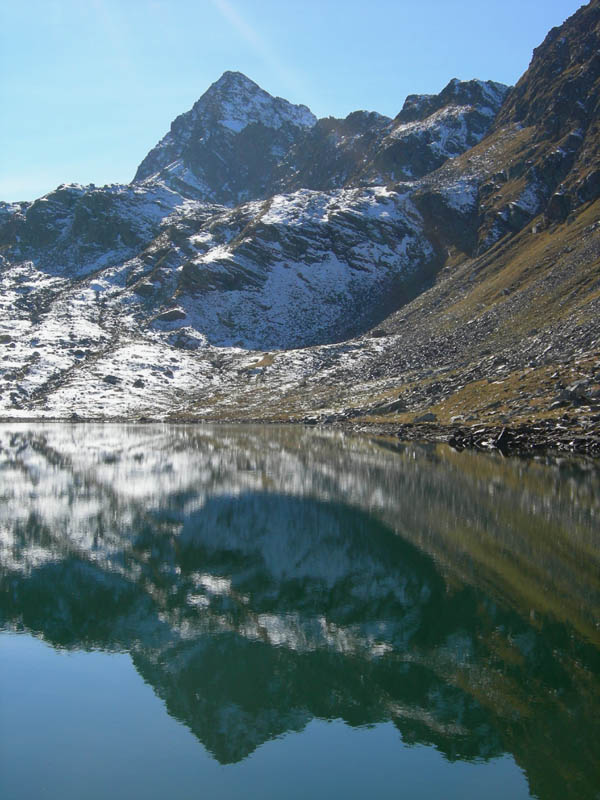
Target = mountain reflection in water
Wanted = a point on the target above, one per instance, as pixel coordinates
(264, 577)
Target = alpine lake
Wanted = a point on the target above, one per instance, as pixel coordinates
(285, 612)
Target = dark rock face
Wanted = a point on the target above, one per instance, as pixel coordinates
(238, 143)
(486, 94)
(366, 148)
(432, 128)
(332, 153)
(225, 148)
(557, 92)
(558, 100)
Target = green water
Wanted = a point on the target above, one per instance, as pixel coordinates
(274, 612)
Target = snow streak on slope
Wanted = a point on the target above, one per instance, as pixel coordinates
(299, 270)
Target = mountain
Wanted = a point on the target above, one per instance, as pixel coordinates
(266, 264)
(367, 149)
(238, 143)
(224, 149)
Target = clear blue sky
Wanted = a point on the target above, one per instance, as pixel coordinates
(87, 87)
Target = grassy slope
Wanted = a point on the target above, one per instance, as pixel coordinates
(492, 340)
(505, 328)
(533, 286)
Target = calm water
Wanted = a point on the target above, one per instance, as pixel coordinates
(275, 612)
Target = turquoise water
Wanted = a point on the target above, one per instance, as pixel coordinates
(246, 612)
(90, 727)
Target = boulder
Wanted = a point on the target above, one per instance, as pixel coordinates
(171, 315)
(428, 417)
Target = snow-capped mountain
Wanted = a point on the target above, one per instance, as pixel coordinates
(224, 149)
(251, 226)
(239, 143)
(367, 149)
(175, 259)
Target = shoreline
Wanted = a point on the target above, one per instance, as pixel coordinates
(565, 436)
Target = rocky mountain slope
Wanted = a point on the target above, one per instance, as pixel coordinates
(270, 265)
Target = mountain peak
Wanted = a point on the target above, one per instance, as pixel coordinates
(223, 148)
(234, 78)
(484, 94)
(235, 101)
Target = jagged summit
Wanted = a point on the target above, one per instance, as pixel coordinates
(228, 142)
(484, 94)
(368, 149)
(239, 101)
(231, 78)
(240, 143)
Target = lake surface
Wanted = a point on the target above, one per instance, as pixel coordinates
(248, 612)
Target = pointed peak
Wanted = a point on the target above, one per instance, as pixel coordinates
(229, 106)
(230, 79)
(235, 101)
